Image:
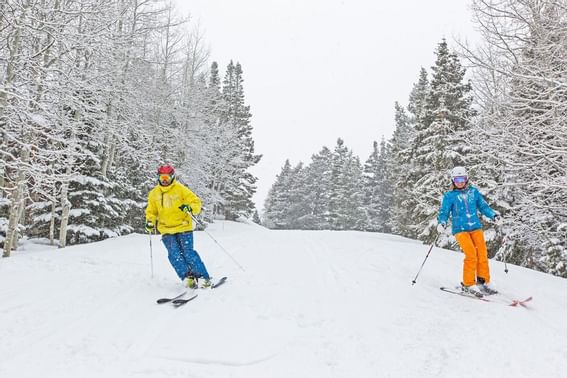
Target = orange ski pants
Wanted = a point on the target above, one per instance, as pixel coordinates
(476, 256)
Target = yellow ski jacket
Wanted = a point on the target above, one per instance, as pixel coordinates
(163, 207)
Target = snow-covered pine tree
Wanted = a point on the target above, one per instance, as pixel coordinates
(298, 211)
(256, 218)
(278, 200)
(240, 187)
(442, 138)
(418, 98)
(404, 171)
(398, 167)
(378, 193)
(287, 202)
(370, 176)
(317, 189)
(346, 196)
(223, 137)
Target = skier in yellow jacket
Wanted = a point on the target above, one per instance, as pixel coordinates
(170, 207)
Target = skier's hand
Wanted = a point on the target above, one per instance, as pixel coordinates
(150, 227)
(441, 227)
(186, 209)
(497, 220)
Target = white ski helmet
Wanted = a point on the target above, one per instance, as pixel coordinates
(459, 172)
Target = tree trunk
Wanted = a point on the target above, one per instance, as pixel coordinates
(15, 207)
(52, 221)
(3, 159)
(65, 211)
(21, 219)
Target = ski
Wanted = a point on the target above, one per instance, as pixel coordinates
(488, 292)
(517, 302)
(510, 301)
(463, 294)
(167, 300)
(499, 296)
(218, 283)
(181, 302)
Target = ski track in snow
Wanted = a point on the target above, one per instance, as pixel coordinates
(310, 304)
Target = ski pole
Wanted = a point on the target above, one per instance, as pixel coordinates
(505, 265)
(426, 256)
(503, 248)
(224, 250)
(152, 250)
(151, 257)
(504, 245)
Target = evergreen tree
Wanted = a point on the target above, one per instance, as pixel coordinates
(346, 192)
(256, 217)
(241, 186)
(401, 171)
(278, 200)
(442, 138)
(378, 196)
(298, 211)
(318, 181)
(418, 98)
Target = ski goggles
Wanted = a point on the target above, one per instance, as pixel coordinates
(165, 179)
(460, 179)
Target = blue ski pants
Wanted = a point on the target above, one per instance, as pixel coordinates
(184, 259)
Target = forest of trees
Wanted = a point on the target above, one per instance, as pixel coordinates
(94, 95)
(507, 123)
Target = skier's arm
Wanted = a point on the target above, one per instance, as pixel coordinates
(484, 208)
(443, 215)
(191, 199)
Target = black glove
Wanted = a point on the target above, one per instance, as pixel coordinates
(150, 227)
(186, 209)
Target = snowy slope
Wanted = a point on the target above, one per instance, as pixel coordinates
(310, 304)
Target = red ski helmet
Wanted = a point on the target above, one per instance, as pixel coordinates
(166, 174)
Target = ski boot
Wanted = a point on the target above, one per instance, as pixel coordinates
(191, 282)
(205, 283)
(486, 288)
(472, 290)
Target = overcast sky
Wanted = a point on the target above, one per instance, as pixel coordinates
(316, 70)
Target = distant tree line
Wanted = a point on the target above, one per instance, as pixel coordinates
(509, 129)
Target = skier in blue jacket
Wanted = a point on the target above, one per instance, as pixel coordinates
(462, 203)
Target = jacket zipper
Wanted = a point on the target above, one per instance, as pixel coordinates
(466, 199)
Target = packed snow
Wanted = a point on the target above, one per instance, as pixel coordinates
(307, 304)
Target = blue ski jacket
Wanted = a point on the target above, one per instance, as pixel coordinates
(464, 205)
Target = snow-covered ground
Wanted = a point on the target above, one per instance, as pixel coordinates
(309, 304)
